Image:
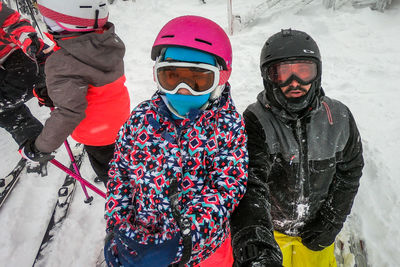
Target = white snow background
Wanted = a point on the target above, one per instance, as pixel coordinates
(361, 67)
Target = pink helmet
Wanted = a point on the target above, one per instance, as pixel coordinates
(198, 33)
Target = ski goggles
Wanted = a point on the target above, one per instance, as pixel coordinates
(198, 78)
(282, 73)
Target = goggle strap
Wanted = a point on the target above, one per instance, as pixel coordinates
(224, 76)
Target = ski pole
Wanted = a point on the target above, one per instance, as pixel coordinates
(32, 14)
(82, 181)
(230, 17)
(76, 168)
(78, 178)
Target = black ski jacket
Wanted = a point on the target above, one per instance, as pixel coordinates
(300, 170)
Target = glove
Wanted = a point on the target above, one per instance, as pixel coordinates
(110, 251)
(35, 46)
(320, 233)
(256, 255)
(43, 54)
(29, 151)
(43, 97)
(255, 246)
(131, 253)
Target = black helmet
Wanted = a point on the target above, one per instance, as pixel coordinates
(290, 44)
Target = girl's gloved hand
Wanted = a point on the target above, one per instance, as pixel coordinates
(128, 252)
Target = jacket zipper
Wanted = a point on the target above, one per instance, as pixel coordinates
(302, 207)
(301, 169)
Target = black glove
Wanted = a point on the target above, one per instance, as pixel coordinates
(255, 247)
(43, 97)
(254, 255)
(33, 49)
(320, 233)
(42, 56)
(29, 151)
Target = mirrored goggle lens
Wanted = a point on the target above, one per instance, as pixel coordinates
(279, 73)
(198, 79)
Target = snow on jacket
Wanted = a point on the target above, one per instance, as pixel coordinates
(14, 32)
(207, 156)
(306, 168)
(85, 79)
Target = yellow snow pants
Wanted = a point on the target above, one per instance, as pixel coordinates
(295, 254)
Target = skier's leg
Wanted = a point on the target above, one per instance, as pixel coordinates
(304, 257)
(21, 74)
(99, 157)
(285, 243)
(20, 123)
(16, 85)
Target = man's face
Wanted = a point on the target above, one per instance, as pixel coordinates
(295, 89)
(294, 77)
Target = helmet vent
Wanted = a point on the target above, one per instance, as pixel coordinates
(102, 5)
(85, 6)
(96, 24)
(168, 36)
(202, 41)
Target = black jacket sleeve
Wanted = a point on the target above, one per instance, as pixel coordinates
(347, 179)
(321, 232)
(251, 225)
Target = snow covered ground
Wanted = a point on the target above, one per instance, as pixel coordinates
(361, 67)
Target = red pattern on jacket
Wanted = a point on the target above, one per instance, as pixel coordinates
(14, 31)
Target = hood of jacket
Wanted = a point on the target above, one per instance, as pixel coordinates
(101, 50)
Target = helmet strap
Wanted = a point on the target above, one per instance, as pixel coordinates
(224, 76)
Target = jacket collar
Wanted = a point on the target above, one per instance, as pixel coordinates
(284, 115)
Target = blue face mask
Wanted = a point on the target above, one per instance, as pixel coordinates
(183, 104)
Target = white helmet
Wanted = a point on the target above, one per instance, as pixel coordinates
(74, 15)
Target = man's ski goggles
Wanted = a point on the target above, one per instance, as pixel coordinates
(282, 73)
(198, 78)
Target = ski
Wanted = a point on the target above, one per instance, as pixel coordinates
(60, 211)
(350, 251)
(28, 8)
(7, 183)
(101, 261)
(359, 251)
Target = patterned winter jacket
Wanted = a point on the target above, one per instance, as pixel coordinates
(14, 32)
(208, 157)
